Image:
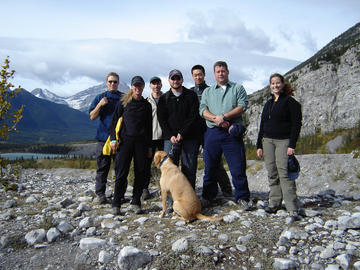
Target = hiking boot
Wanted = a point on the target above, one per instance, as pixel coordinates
(116, 211)
(146, 194)
(294, 215)
(124, 200)
(246, 205)
(205, 203)
(271, 209)
(136, 209)
(227, 194)
(101, 199)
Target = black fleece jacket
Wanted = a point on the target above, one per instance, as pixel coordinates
(179, 114)
(280, 120)
(137, 121)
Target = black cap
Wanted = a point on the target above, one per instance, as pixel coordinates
(137, 79)
(154, 78)
(175, 72)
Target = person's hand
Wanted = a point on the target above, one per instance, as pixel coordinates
(219, 119)
(179, 138)
(290, 151)
(114, 146)
(259, 153)
(103, 101)
(225, 125)
(173, 140)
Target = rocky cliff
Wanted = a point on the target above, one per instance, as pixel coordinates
(327, 86)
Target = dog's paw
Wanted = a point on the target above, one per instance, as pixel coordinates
(162, 214)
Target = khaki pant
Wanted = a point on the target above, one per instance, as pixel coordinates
(281, 187)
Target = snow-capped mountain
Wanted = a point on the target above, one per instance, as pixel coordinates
(80, 101)
(46, 94)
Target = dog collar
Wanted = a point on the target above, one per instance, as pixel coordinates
(164, 159)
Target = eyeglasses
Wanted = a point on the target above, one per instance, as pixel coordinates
(175, 78)
(115, 82)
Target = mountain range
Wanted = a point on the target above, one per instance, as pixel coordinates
(327, 86)
(80, 101)
(48, 122)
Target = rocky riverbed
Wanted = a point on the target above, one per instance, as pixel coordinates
(53, 222)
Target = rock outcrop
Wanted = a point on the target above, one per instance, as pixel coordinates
(327, 86)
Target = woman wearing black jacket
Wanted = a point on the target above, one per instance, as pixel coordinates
(135, 141)
(279, 131)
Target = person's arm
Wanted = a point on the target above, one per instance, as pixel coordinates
(162, 114)
(117, 114)
(96, 111)
(192, 113)
(296, 122)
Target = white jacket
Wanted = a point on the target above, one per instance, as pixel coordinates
(157, 132)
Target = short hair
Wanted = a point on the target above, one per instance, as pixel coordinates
(221, 64)
(198, 67)
(113, 74)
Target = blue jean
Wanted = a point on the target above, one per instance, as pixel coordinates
(216, 142)
(189, 154)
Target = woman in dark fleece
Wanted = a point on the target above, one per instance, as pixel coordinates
(135, 142)
(279, 131)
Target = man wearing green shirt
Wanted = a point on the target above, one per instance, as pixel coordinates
(222, 106)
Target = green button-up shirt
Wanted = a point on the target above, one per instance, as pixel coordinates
(218, 101)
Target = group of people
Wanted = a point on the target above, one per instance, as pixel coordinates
(182, 120)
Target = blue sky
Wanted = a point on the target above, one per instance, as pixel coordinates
(67, 46)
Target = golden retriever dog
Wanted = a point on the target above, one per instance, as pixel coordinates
(173, 183)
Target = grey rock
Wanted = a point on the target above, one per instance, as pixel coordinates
(104, 257)
(204, 250)
(180, 245)
(284, 264)
(83, 207)
(344, 260)
(91, 243)
(52, 235)
(131, 258)
(332, 145)
(35, 236)
(65, 227)
(9, 204)
(328, 252)
(4, 241)
(357, 265)
(66, 202)
(86, 222)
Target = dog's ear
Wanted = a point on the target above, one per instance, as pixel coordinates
(157, 159)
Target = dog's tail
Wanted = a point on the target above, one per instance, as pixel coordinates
(202, 217)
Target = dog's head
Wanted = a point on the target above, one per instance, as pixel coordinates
(158, 157)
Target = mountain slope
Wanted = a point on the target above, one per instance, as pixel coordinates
(327, 86)
(48, 122)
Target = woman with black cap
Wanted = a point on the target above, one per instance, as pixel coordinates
(135, 141)
(279, 131)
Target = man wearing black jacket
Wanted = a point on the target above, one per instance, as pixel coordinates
(178, 117)
(198, 74)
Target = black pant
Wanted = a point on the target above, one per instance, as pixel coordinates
(103, 167)
(155, 145)
(126, 151)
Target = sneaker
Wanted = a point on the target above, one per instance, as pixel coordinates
(246, 205)
(136, 209)
(271, 209)
(146, 194)
(116, 210)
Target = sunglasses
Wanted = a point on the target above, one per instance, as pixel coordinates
(175, 78)
(113, 82)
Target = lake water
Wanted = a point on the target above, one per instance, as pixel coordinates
(15, 156)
